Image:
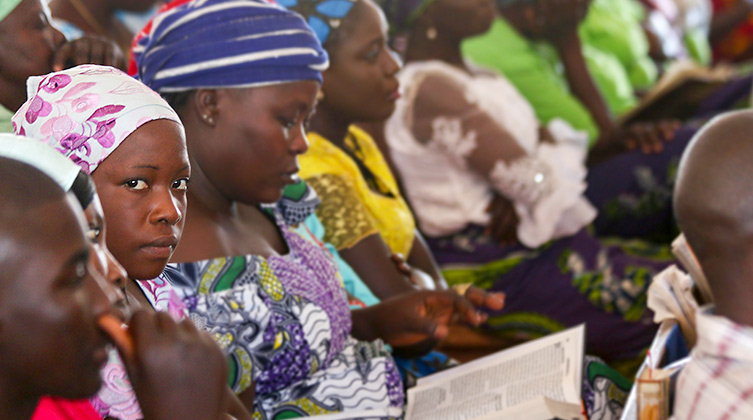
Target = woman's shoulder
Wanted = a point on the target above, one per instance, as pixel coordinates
(211, 275)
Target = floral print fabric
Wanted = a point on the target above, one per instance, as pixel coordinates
(116, 398)
(284, 322)
(86, 117)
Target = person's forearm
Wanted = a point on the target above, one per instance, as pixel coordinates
(248, 397)
(370, 258)
(420, 257)
(583, 86)
(237, 409)
(364, 328)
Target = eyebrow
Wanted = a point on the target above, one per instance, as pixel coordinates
(153, 167)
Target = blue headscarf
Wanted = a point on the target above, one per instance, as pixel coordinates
(323, 16)
(227, 43)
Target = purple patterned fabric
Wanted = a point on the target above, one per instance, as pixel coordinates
(308, 272)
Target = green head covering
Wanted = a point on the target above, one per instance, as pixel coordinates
(7, 6)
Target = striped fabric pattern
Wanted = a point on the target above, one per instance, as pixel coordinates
(717, 383)
(227, 43)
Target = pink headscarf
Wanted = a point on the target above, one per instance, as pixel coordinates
(86, 112)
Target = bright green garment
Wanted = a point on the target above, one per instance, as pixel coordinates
(614, 27)
(7, 6)
(699, 48)
(617, 60)
(5, 124)
(611, 79)
(534, 69)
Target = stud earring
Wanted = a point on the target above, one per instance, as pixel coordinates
(208, 118)
(431, 33)
(319, 96)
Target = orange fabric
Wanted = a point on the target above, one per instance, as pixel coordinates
(736, 43)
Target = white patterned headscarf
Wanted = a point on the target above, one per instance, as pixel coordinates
(40, 156)
(86, 112)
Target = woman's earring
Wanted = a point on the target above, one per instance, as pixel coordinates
(431, 33)
(208, 118)
(319, 96)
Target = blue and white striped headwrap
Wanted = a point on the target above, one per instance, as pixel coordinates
(323, 16)
(227, 44)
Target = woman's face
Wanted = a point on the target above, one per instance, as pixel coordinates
(27, 45)
(360, 84)
(142, 186)
(462, 18)
(102, 261)
(253, 150)
(50, 340)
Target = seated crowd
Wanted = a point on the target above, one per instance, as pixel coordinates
(291, 208)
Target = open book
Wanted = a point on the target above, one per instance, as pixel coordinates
(539, 380)
(679, 92)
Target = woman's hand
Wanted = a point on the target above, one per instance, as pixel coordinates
(416, 321)
(177, 371)
(480, 298)
(503, 221)
(88, 49)
(649, 137)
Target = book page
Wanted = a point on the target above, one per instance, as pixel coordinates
(682, 87)
(376, 414)
(539, 408)
(549, 367)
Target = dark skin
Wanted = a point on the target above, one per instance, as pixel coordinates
(360, 86)
(714, 209)
(163, 340)
(142, 185)
(49, 312)
(443, 17)
(225, 216)
(104, 14)
(30, 46)
(361, 70)
(54, 298)
(556, 22)
(102, 261)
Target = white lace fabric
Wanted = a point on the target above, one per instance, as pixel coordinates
(546, 184)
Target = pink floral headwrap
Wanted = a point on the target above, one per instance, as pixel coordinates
(86, 112)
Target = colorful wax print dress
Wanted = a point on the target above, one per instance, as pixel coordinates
(285, 323)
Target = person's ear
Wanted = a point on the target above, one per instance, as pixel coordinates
(205, 103)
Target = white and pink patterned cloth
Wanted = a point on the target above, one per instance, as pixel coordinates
(717, 383)
(86, 112)
(116, 397)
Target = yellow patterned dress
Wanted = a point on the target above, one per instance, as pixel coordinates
(355, 205)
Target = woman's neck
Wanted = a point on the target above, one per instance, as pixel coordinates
(14, 406)
(442, 48)
(331, 125)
